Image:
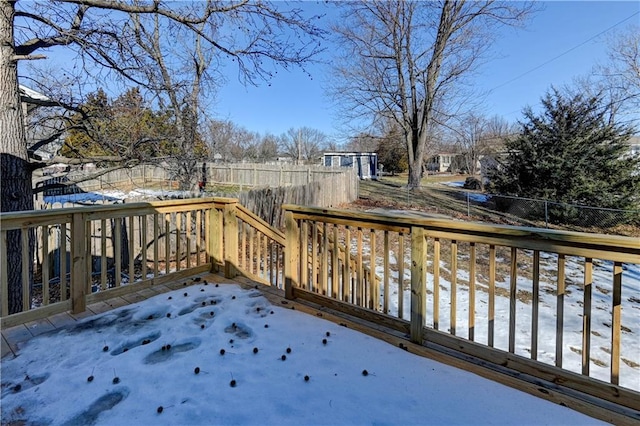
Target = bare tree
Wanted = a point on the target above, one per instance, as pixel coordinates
(103, 34)
(303, 145)
(476, 136)
(363, 142)
(406, 60)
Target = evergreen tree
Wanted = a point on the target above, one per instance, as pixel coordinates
(572, 152)
(125, 128)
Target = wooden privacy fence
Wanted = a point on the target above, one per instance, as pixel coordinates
(65, 258)
(240, 174)
(332, 190)
(270, 175)
(560, 306)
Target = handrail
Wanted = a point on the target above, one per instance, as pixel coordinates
(261, 225)
(613, 247)
(511, 259)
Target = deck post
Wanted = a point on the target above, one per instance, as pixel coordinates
(418, 283)
(230, 229)
(291, 255)
(79, 275)
(215, 233)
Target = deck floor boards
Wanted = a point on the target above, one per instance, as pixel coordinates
(13, 337)
(39, 327)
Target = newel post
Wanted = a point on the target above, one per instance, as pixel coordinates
(230, 230)
(79, 261)
(215, 235)
(291, 255)
(418, 283)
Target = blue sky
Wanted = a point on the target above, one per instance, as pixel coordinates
(295, 100)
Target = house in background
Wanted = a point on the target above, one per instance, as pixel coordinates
(365, 163)
(445, 162)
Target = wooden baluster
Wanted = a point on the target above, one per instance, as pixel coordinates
(586, 315)
(512, 299)
(615, 323)
(535, 304)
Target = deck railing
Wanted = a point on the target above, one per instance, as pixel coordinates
(556, 305)
(64, 259)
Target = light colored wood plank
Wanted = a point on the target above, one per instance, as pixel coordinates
(623, 249)
(189, 240)
(418, 283)
(26, 279)
(291, 255)
(178, 241)
(15, 336)
(144, 246)
(99, 307)
(492, 296)
(132, 237)
(535, 304)
(386, 273)
(230, 230)
(453, 297)
(39, 327)
(436, 283)
(199, 237)
(156, 244)
(560, 288)
(586, 316)
(304, 255)
(34, 314)
(63, 262)
(616, 312)
(314, 257)
(346, 267)
(374, 287)
(117, 248)
(103, 254)
(359, 299)
(335, 265)
(401, 275)
(46, 296)
(80, 273)
(6, 350)
(513, 277)
(61, 320)
(472, 291)
(167, 243)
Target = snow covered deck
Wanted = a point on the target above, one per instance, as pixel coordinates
(41, 345)
(552, 313)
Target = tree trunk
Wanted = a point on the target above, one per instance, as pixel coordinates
(15, 173)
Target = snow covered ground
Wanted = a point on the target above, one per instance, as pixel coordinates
(113, 196)
(573, 311)
(222, 355)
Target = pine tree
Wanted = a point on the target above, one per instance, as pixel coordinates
(572, 152)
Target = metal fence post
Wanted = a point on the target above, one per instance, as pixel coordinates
(546, 213)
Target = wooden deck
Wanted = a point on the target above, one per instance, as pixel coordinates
(13, 338)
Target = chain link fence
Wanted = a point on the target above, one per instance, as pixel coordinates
(553, 214)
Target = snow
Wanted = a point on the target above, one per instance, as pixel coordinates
(114, 196)
(455, 184)
(47, 383)
(478, 198)
(601, 311)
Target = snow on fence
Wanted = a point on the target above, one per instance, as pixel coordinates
(564, 306)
